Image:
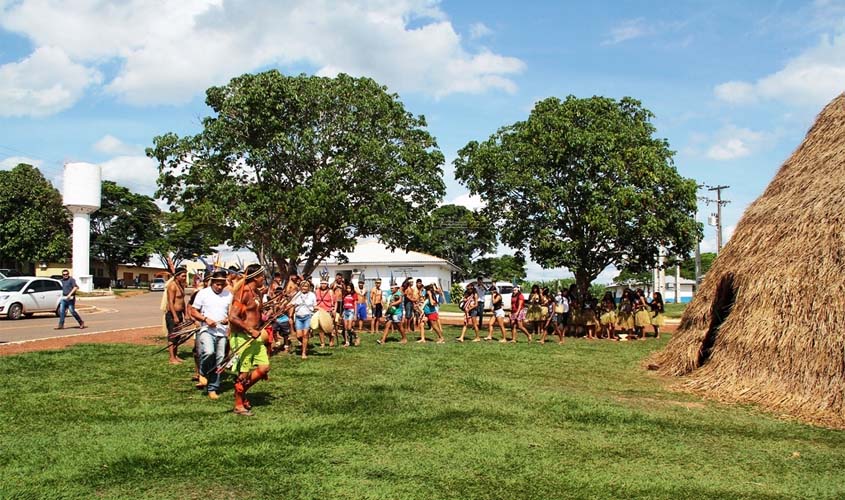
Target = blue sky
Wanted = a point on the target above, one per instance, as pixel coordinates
(734, 85)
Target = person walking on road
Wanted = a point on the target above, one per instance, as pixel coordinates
(68, 300)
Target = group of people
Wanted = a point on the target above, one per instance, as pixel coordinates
(243, 318)
(563, 313)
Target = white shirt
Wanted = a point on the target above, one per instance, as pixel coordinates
(563, 301)
(306, 304)
(215, 307)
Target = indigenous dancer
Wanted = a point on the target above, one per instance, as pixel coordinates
(211, 309)
(349, 302)
(518, 314)
(625, 318)
(376, 299)
(534, 314)
(419, 305)
(305, 305)
(607, 318)
(175, 292)
(497, 302)
(470, 307)
(325, 301)
(361, 312)
(657, 310)
(337, 287)
(395, 315)
(432, 312)
(252, 362)
(642, 318)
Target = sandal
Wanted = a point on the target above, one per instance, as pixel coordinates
(243, 411)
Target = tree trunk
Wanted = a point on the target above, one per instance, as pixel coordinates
(582, 281)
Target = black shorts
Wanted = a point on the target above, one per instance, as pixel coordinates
(281, 328)
(377, 312)
(170, 322)
(338, 307)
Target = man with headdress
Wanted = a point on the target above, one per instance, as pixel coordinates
(252, 363)
(211, 309)
(175, 313)
(325, 302)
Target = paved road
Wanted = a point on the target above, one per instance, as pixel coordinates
(111, 314)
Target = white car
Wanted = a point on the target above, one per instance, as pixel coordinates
(157, 285)
(27, 295)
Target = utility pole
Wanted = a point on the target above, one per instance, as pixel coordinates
(698, 242)
(719, 204)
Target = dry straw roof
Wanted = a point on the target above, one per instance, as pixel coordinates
(768, 324)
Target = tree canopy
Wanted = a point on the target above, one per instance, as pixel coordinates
(182, 238)
(502, 268)
(296, 168)
(125, 229)
(35, 226)
(455, 233)
(583, 183)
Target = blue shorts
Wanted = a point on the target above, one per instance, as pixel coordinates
(409, 309)
(302, 322)
(397, 318)
(348, 314)
(362, 311)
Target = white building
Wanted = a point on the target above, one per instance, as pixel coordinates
(686, 291)
(375, 260)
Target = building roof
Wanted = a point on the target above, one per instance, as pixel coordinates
(371, 251)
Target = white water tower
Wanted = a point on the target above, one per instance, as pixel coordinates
(82, 191)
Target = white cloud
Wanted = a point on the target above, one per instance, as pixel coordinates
(472, 202)
(811, 79)
(479, 30)
(44, 83)
(110, 144)
(169, 54)
(733, 142)
(628, 29)
(13, 161)
(735, 92)
(138, 173)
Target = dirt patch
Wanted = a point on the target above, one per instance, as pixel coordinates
(142, 336)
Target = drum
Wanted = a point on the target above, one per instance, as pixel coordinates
(322, 320)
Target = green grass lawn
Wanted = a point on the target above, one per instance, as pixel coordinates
(674, 310)
(460, 421)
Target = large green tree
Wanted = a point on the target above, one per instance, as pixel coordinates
(583, 183)
(125, 229)
(296, 168)
(34, 225)
(502, 268)
(455, 233)
(183, 238)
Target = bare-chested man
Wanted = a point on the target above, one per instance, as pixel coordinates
(337, 288)
(376, 299)
(175, 309)
(361, 306)
(252, 362)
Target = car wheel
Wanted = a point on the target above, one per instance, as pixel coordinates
(15, 311)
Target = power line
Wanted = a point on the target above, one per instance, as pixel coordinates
(718, 215)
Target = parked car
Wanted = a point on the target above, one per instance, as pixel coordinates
(157, 285)
(9, 273)
(27, 295)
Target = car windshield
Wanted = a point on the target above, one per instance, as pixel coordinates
(158, 280)
(12, 285)
(505, 289)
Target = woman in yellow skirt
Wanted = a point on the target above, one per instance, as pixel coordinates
(534, 316)
(589, 317)
(607, 319)
(657, 310)
(642, 317)
(625, 317)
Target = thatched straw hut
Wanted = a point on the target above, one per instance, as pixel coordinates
(768, 323)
